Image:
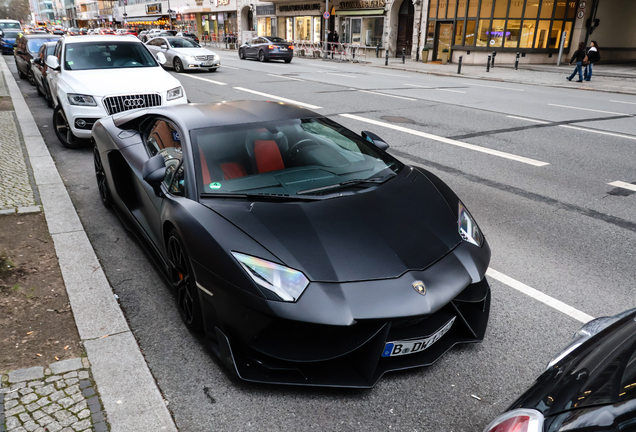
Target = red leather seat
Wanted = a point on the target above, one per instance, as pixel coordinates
(267, 155)
(232, 170)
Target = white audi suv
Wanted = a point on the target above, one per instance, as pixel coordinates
(91, 77)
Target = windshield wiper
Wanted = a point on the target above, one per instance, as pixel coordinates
(261, 196)
(345, 183)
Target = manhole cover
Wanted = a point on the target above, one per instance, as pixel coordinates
(394, 119)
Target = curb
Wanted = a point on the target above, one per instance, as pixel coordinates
(130, 395)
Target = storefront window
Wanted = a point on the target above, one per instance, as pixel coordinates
(555, 34)
(486, 9)
(527, 34)
(568, 30)
(356, 30)
(501, 8)
(532, 9)
(482, 34)
(430, 34)
(542, 34)
(472, 8)
(290, 29)
(571, 9)
(470, 33)
(461, 8)
(497, 33)
(442, 8)
(546, 9)
(372, 29)
(452, 4)
(459, 32)
(303, 28)
(264, 27)
(559, 13)
(512, 34)
(432, 9)
(516, 8)
(316, 35)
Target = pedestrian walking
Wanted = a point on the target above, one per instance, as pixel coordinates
(330, 41)
(578, 57)
(592, 57)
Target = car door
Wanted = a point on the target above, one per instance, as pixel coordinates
(38, 67)
(20, 47)
(52, 76)
(253, 48)
(162, 137)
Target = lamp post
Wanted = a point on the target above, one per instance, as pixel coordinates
(169, 15)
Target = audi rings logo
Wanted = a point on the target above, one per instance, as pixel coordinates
(134, 103)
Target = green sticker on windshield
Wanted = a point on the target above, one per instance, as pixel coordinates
(70, 63)
(215, 185)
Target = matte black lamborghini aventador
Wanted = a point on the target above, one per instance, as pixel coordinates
(306, 253)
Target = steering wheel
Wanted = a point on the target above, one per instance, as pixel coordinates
(291, 153)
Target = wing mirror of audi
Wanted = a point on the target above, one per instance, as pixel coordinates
(161, 58)
(52, 63)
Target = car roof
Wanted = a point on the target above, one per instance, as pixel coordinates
(197, 116)
(41, 36)
(100, 38)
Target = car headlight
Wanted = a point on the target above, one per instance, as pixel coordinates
(468, 228)
(82, 100)
(286, 283)
(175, 93)
(190, 58)
(526, 420)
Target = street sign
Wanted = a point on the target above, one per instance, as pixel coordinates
(580, 14)
(582, 5)
(326, 15)
(125, 15)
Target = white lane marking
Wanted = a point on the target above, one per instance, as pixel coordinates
(330, 67)
(527, 119)
(389, 95)
(204, 79)
(230, 67)
(449, 141)
(395, 75)
(282, 76)
(631, 103)
(538, 295)
(589, 109)
(503, 88)
(599, 132)
(282, 99)
(433, 88)
(343, 75)
(620, 184)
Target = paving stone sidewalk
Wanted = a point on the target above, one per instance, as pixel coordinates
(60, 398)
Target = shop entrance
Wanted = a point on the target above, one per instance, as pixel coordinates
(405, 28)
(444, 38)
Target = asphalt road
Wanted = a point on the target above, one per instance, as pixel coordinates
(534, 174)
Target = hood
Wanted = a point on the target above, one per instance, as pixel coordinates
(593, 375)
(105, 82)
(194, 51)
(404, 224)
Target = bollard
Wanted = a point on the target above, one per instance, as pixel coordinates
(403, 55)
(494, 53)
(226, 47)
(488, 65)
(386, 60)
(459, 66)
(353, 53)
(377, 51)
(517, 61)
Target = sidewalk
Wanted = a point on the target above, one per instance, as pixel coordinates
(68, 395)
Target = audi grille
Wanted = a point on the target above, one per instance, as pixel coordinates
(117, 104)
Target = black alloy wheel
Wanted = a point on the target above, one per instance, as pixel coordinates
(178, 66)
(63, 130)
(241, 54)
(31, 77)
(261, 56)
(183, 282)
(102, 183)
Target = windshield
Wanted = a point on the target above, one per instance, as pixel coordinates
(292, 157)
(35, 44)
(10, 34)
(107, 55)
(276, 40)
(50, 50)
(182, 43)
(10, 26)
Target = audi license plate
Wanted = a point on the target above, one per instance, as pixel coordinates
(398, 348)
(282, 49)
(208, 63)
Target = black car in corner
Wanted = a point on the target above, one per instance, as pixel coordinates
(590, 386)
(26, 49)
(306, 253)
(266, 48)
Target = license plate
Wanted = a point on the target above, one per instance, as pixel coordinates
(282, 49)
(398, 348)
(207, 63)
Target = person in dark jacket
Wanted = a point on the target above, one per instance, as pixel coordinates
(592, 57)
(578, 57)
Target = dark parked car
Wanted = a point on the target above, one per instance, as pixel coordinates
(267, 48)
(590, 386)
(189, 36)
(26, 49)
(306, 252)
(39, 71)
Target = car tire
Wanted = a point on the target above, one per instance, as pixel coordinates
(182, 279)
(212, 69)
(40, 92)
(241, 54)
(288, 60)
(178, 65)
(47, 95)
(102, 182)
(63, 130)
(30, 77)
(261, 56)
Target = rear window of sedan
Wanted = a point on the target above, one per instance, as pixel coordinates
(110, 55)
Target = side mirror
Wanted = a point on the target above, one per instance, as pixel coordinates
(154, 171)
(161, 58)
(52, 63)
(164, 46)
(37, 60)
(375, 140)
(20, 52)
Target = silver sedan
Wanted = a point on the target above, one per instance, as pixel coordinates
(184, 54)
